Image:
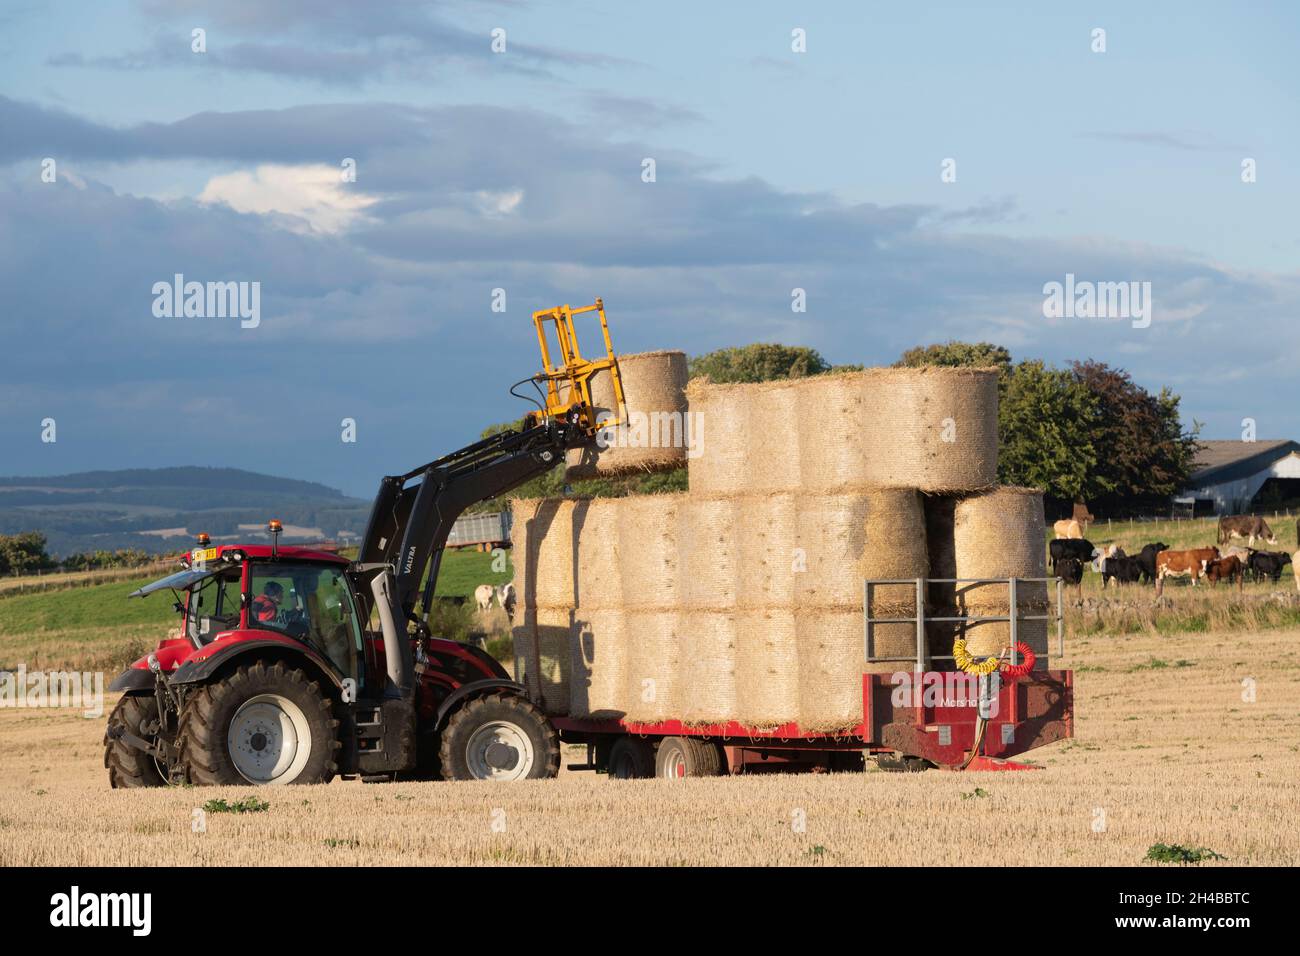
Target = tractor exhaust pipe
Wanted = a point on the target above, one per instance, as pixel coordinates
(397, 649)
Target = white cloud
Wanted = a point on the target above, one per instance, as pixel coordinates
(315, 197)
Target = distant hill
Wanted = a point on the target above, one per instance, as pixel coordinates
(161, 509)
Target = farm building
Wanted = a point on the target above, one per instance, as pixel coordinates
(1231, 477)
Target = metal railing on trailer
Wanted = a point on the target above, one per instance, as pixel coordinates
(1014, 617)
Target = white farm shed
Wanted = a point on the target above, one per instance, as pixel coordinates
(1231, 474)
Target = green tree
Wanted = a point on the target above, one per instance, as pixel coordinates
(1045, 437)
(1147, 453)
(759, 362)
(957, 354)
(24, 553)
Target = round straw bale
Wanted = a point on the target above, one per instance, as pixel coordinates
(598, 583)
(767, 668)
(830, 670)
(831, 540)
(541, 644)
(707, 684)
(894, 549)
(765, 535)
(652, 437)
(654, 643)
(710, 554)
(828, 411)
(749, 441)
(1000, 534)
(649, 556)
(542, 547)
(930, 428)
(598, 683)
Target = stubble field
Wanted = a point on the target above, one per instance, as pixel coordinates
(1166, 751)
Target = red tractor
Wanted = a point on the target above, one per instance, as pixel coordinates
(295, 666)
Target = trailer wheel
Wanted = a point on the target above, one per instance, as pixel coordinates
(260, 725)
(679, 757)
(127, 767)
(499, 737)
(631, 758)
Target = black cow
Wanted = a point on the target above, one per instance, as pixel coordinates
(1124, 570)
(1146, 560)
(1062, 548)
(1268, 564)
(1069, 570)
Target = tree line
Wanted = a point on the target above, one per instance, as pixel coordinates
(27, 553)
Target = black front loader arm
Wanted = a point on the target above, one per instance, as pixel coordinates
(413, 513)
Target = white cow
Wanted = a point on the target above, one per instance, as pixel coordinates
(483, 596)
(1295, 566)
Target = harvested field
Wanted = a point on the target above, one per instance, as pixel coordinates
(1166, 750)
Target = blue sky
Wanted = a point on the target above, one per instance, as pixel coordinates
(522, 170)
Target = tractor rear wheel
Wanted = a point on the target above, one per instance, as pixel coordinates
(263, 724)
(499, 737)
(631, 758)
(128, 767)
(679, 757)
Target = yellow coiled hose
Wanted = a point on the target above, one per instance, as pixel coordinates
(966, 662)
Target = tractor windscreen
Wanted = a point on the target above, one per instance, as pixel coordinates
(310, 602)
(179, 581)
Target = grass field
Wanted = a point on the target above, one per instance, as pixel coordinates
(94, 628)
(1166, 751)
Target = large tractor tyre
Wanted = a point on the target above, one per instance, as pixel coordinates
(680, 757)
(264, 725)
(128, 767)
(499, 736)
(631, 758)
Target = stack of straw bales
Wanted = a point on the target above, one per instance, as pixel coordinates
(743, 599)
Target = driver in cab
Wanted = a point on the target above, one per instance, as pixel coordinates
(266, 606)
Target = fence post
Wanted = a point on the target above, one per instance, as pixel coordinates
(920, 625)
(1060, 618)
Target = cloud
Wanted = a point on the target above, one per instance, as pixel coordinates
(383, 311)
(1187, 140)
(311, 197)
(334, 42)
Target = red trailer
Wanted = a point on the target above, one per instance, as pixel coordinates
(911, 720)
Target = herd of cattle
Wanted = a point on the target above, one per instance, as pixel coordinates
(1071, 552)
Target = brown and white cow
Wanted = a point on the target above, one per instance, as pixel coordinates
(1227, 568)
(1177, 564)
(1245, 526)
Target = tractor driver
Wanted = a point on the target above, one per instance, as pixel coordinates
(266, 606)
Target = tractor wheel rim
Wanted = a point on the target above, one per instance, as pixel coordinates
(675, 769)
(269, 740)
(499, 750)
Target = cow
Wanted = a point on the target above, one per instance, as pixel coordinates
(1070, 570)
(1227, 568)
(1080, 548)
(1123, 569)
(1295, 565)
(1179, 563)
(483, 596)
(1238, 552)
(1067, 528)
(1268, 564)
(1146, 559)
(506, 598)
(1244, 526)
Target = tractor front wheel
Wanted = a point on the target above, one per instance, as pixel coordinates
(128, 767)
(499, 737)
(264, 724)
